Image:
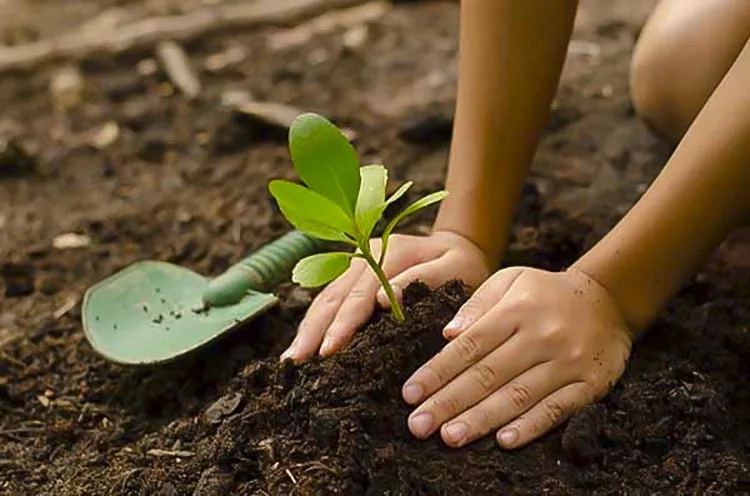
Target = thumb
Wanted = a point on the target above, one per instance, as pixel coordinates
(485, 297)
(432, 273)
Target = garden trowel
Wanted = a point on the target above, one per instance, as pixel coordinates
(154, 311)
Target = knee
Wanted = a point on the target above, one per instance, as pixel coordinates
(684, 51)
(653, 89)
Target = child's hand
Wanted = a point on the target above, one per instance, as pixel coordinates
(528, 350)
(350, 300)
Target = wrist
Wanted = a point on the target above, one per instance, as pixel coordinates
(466, 242)
(637, 308)
(601, 296)
(490, 242)
(484, 219)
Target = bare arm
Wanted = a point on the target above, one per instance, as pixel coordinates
(512, 53)
(699, 198)
(532, 347)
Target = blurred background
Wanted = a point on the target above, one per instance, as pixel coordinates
(96, 125)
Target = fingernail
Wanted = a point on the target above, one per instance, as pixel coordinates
(412, 393)
(381, 296)
(289, 353)
(326, 347)
(397, 291)
(454, 326)
(421, 424)
(456, 433)
(507, 438)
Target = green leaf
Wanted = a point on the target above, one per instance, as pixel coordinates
(399, 192)
(371, 200)
(325, 160)
(371, 188)
(411, 209)
(320, 269)
(414, 208)
(311, 212)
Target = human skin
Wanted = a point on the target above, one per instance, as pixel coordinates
(531, 347)
(684, 51)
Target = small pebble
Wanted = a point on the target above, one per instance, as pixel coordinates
(71, 241)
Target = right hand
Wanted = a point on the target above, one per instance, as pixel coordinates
(349, 301)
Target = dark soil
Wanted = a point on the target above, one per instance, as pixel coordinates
(185, 181)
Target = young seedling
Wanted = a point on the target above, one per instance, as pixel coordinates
(342, 202)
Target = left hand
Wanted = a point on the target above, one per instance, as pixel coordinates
(528, 349)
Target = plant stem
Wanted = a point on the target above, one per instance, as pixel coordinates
(396, 310)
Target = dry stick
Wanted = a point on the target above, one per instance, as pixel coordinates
(22, 430)
(327, 22)
(291, 476)
(4, 356)
(176, 454)
(278, 115)
(125, 479)
(69, 304)
(146, 32)
(177, 66)
(6, 337)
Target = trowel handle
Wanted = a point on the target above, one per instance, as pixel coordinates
(263, 270)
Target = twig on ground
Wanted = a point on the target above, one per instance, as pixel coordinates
(291, 476)
(22, 430)
(325, 23)
(275, 115)
(7, 337)
(125, 479)
(84, 43)
(177, 66)
(11, 360)
(308, 467)
(176, 454)
(66, 307)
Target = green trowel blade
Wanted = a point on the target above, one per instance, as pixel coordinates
(153, 312)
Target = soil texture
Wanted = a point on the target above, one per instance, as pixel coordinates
(132, 169)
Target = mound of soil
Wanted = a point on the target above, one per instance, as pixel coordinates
(338, 426)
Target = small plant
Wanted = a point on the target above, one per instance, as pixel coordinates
(342, 202)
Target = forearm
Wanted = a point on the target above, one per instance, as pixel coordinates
(511, 55)
(702, 194)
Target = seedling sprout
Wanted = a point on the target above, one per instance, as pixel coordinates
(342, 202)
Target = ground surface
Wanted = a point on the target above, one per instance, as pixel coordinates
(186, 182)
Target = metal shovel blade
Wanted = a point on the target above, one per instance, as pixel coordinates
(154, 312)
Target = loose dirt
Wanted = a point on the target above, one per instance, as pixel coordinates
(185, 181)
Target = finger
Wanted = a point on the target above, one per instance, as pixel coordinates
(505, 404)
(545, 416)
(472, 386)
(495, 328)
(359, 302)
(354, 311)
(432, 273)
(482, 301)
(321, 313)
